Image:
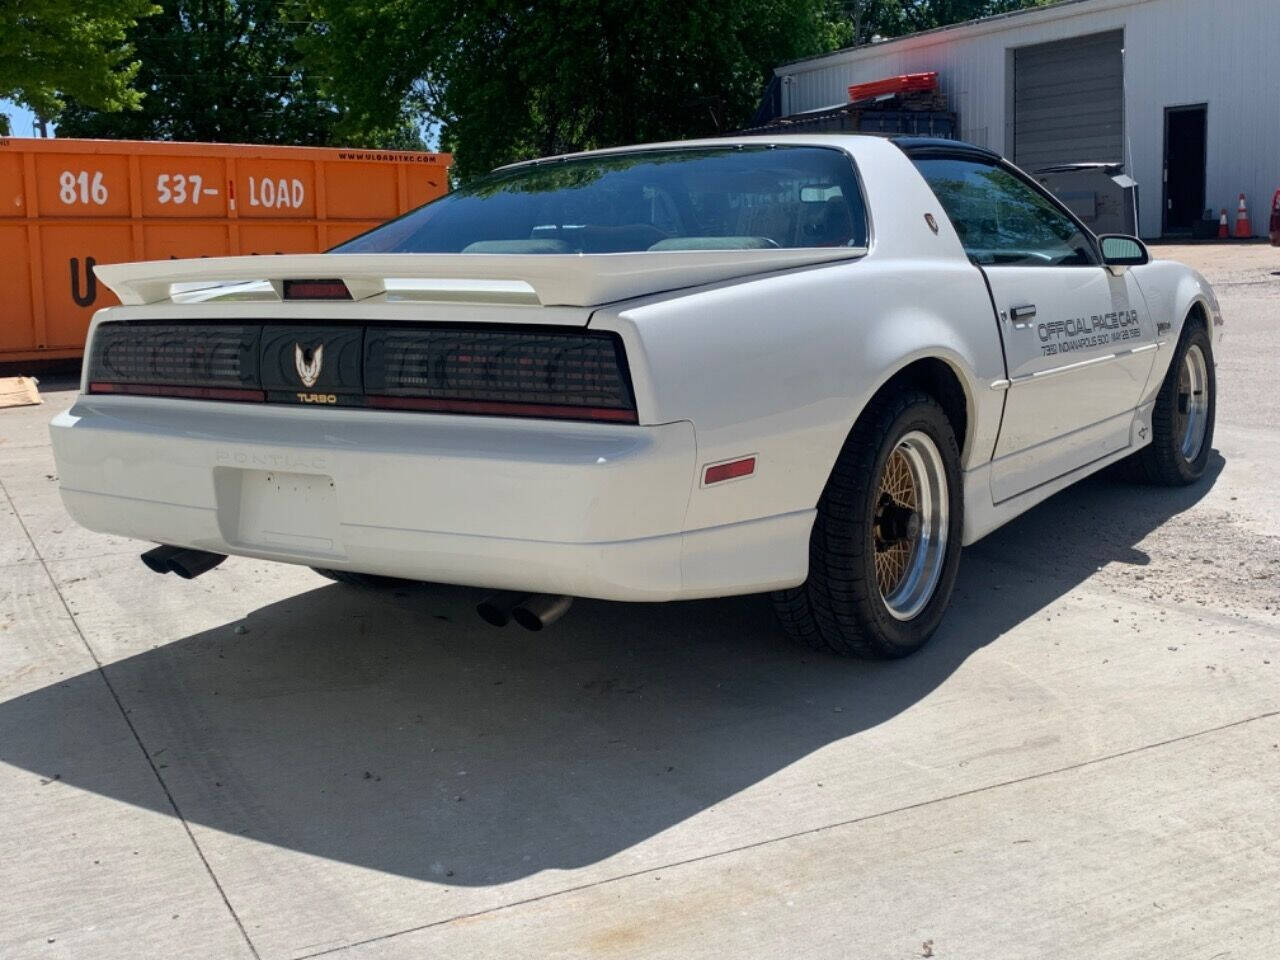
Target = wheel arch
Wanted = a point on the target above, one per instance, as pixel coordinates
(936, 371)
(940, 379)
(1199, 312)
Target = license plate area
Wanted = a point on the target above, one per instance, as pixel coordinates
(278, 511)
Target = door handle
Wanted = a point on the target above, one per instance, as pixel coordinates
(1022, 315)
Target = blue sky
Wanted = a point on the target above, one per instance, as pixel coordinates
(21, 120)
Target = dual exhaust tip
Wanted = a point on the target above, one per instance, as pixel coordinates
(188, 564)
(533, 611)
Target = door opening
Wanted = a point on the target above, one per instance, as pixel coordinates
(1184, 167)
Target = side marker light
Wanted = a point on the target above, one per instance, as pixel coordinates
(731, 470)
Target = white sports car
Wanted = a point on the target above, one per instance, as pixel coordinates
(812, 365)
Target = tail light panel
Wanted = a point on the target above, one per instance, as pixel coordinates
(472, 369)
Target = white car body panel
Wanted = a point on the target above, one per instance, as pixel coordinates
(764, 353)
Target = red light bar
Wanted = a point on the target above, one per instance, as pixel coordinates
(729, 471)
(316, 290)
(495, 408)
(189, 393)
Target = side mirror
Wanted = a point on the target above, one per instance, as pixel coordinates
(1120, 251)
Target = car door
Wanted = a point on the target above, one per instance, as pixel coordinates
(1078, 340)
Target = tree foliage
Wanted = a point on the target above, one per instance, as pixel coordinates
(507, 80)
(510, 79)
(860, 21)
(213, 70)
(231, 71)
(53, 48)
(500, 80)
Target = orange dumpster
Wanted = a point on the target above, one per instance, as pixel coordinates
(66, 205)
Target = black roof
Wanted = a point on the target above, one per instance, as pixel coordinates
(913, 146)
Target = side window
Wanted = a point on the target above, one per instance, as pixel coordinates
(1000, 219)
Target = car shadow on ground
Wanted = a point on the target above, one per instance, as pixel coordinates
(392, 730)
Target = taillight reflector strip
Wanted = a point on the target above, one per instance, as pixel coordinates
(730, 470)
(500, 409)
(188, 393)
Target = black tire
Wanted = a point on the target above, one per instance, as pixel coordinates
(840, 607)
(1163, 460)
(353, 579)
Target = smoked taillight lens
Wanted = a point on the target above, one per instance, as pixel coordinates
(479, 370)
(192, 357)
(315, 290)
(502, 372)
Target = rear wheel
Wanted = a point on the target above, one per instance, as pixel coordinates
(886, 542)
(1183, 418)
(351, 578)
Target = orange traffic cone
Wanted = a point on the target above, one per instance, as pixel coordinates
(1223, 232)
(1243, 229)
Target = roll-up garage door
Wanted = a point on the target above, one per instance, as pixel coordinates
(1068, 101)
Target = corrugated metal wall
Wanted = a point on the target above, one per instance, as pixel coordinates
(1068, 101)
(1225, 54)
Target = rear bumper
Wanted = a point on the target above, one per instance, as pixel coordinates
(582, 509)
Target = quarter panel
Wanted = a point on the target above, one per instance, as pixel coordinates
(780, 367)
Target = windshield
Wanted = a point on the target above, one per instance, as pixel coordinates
(682, 199)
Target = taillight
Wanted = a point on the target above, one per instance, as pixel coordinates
(219, 360)
(500, 373)
(316, 290)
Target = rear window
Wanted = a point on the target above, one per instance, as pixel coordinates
(662, 200)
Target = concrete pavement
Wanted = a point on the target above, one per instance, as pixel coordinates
(1085, 761)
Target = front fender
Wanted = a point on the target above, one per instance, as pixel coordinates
(1172, 291)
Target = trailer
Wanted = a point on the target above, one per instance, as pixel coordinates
(69, 205)
(906, 105)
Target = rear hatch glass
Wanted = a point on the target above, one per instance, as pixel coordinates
(747, 197)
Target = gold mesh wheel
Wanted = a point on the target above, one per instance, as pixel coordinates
(897, 489)
(910, 525)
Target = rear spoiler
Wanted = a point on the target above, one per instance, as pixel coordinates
(580, 280)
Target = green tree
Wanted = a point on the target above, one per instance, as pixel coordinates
(926, 14)
(859, 21)
(227, 70)
(509, 79)
(80, 48)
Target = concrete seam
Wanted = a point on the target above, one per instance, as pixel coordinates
(791, 836)
(129, 723)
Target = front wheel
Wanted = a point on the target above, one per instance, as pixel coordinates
(1183, 418)
(885, 546)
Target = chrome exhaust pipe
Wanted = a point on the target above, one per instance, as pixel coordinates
(189, 564)
(157, 558)
(541, 610)
(496, 608)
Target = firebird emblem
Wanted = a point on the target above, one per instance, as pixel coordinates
(308, 368)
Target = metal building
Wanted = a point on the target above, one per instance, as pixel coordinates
(1184, 93)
